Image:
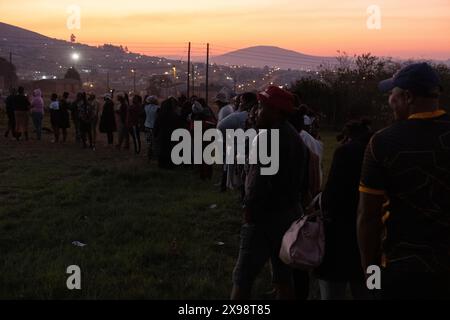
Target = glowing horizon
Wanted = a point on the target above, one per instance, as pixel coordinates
(418, 30)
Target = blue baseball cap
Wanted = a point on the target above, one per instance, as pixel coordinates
(420, 77)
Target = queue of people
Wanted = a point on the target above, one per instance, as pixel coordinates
(385, 200)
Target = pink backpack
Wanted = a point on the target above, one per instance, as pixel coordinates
(303, 245)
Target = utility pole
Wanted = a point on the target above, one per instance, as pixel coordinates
(193, 80)
(134, 80)
(107, 81)
(10, 61)
(207, 73)
(189, 73)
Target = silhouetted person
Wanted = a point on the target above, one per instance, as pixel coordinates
(108, 120)
(64, 109)
(166, 122)
(341, 266)
(272, 203)
(135, 116)
(408, 164)
(21, 112)
(121, 115)
(55, 116)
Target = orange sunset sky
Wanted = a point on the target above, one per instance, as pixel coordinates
(414, 28)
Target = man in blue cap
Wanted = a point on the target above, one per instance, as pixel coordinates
(404, 209)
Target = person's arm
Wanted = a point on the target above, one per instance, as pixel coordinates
(369, 228)
(372, 196)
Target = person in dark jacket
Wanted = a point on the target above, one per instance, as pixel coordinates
(55, 116)
(9, 102)
(342, 263)
(134, 122)
(74, 116)
(272, 202)
(201, 112)
(85, 115)
(108, 120)
(21, 113)
(121, 116)
(64, 109)
(166, 122)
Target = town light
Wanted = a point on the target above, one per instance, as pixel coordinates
(75, 56)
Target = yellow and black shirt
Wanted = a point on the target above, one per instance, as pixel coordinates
(409, 163)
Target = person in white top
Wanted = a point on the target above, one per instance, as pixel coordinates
(151, 110)
(222, 100)
(237, 120)
(316, 147)
(299, 120)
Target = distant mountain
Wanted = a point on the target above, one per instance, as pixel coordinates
(9, 33)
(261, 56)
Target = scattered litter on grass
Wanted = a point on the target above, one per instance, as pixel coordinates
(79, 244)
(220, 244)
(213, 206)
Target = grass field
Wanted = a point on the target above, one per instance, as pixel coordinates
(150, 234)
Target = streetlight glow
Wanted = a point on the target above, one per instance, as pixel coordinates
(75, 56)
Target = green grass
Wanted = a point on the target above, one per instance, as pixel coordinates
(150, 234)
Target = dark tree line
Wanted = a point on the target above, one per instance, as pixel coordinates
(350, 90)
(8, 73)
(73, 74)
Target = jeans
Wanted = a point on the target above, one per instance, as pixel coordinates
(149, 139)
(258, 245)
(37, 118)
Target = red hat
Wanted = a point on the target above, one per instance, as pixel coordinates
(278, 98)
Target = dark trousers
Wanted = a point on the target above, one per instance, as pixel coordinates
(76, 125)
(86, 130)
(110, 136)
(11, 124)
(37, 118)
(124, 136)
(136, 136)
(149, 138)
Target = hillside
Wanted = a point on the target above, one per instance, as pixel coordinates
(261, 56)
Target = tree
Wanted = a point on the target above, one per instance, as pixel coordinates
(72, 73)
(349, 90)
(8, 73)
(158, 82)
